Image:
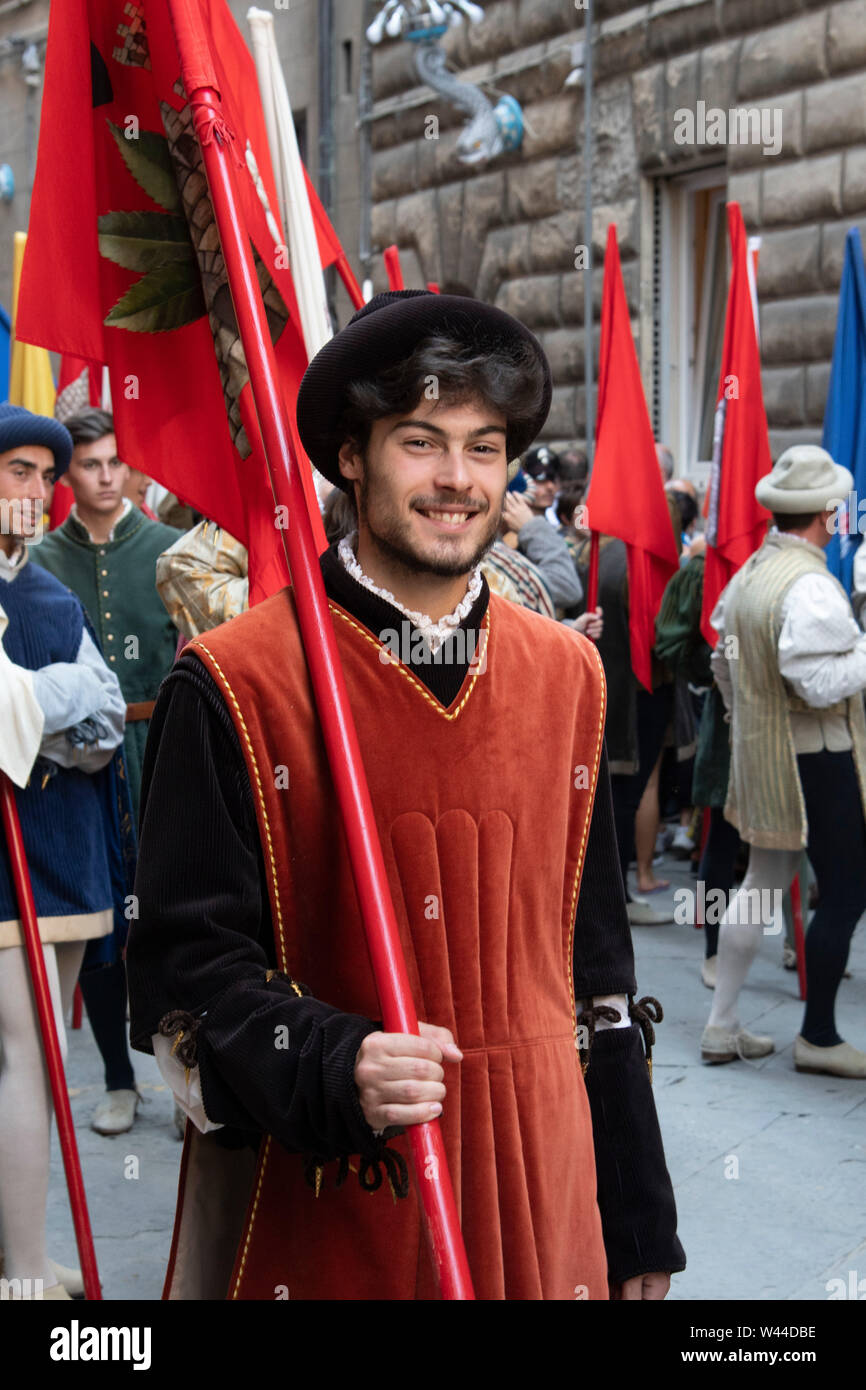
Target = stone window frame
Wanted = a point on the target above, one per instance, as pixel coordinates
(678, 360)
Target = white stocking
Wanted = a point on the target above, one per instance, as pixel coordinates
(25, 1104)
(741, 928)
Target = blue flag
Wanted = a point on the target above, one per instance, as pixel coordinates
(845, 415)
(5, 347)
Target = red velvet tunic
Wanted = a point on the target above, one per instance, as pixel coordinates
(483, 810)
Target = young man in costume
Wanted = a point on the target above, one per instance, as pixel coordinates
(248, 969)
(106, 551)
(61, 720)
(791, 665)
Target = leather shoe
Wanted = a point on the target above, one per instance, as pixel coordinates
(640, 914)
(720, 1045)
(115, 1113)
(71, 1279)
(840, 1060)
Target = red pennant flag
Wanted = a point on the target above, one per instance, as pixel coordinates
(736, 521)
(626, 495)
(121, 219)
(61, 506)
(79, 385)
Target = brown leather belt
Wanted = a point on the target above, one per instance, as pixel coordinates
(800, 706)
(142, 710)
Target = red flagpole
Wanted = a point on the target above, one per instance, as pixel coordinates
(347, 275)
(338, 729)
(799, 933)
(392, 268)
(592, 577)
(50, 1040)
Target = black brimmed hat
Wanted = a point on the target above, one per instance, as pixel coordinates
(384, 332)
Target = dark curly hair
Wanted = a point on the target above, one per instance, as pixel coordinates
(506, 377)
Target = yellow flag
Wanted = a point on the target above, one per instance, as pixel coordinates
(30, 381)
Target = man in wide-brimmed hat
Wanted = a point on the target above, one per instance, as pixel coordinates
(791, 665)
(248, 968)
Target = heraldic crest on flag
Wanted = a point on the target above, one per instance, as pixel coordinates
(177, 250)
(121, 212)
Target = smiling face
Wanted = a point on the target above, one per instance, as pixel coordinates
(26, 478)
(430, 487)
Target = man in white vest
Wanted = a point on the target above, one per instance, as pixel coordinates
(791, 665)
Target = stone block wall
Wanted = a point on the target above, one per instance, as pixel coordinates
(804, 201)
(19, 124)
(507, 232)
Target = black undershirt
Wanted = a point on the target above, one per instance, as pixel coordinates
(443, 672)
(204, 940)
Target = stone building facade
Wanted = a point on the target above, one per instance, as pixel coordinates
(23, 30)
(508, 231)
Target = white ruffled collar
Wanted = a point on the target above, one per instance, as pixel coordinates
(435, 633)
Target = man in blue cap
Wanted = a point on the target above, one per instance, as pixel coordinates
(61, 719)
(106, 552)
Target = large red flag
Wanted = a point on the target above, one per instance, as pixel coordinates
(626, 495)
(121, 215)
(736, 521)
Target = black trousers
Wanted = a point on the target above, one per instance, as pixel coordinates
(837, 851)
(716, 869)
(654, 712)
(104, 993)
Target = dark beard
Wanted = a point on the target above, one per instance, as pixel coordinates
(391, 547)
(443, 569)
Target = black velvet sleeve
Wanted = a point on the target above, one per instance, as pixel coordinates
(603, 954)
(635, 1195)
(270, 1061)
